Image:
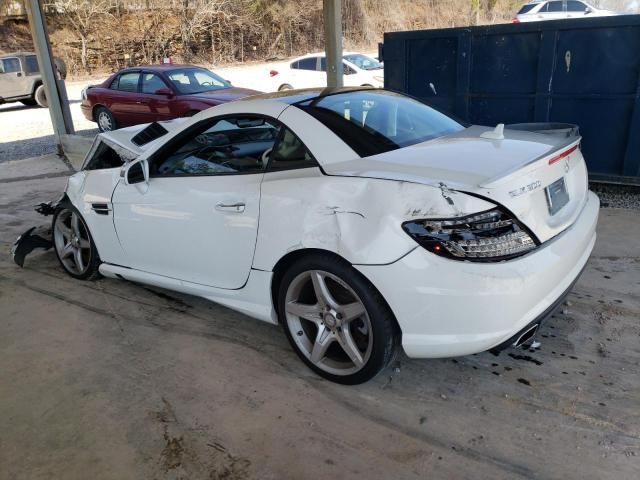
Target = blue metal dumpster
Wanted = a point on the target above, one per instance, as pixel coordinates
(584, 71)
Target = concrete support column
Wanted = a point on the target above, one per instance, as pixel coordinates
(333, 41)
(54, 88)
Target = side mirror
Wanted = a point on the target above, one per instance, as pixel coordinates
(167, 92)
(587, 10)
(135, 172)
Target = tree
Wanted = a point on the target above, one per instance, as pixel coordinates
(82, 14)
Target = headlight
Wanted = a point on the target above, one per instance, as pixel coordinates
(83, 93)
(482, 237)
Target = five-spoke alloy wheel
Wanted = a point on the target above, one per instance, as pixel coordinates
(335, 320)
(73, 244)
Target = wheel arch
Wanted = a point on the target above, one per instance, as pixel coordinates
(36, 84)
(95, 108)
(290, 258)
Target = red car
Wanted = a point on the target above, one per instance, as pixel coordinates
(154, 93)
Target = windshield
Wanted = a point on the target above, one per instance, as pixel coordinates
(196, 80)
(377, 121)
(363, 61)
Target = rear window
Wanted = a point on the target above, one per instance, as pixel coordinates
(527, 8)
(126, 82)
(377, 121)
(31, 64)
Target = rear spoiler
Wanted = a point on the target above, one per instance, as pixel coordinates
(564, 130)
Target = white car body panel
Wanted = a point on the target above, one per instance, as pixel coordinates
(538, 12)
(299, 78)
(168, 232)
(216, 240)
(472, 306)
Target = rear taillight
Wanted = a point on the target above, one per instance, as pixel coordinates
(515, 20)
(488, 236)
(273, 73)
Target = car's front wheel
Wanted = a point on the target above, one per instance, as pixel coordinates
(336, 321)
(105, 119)
(73, 244)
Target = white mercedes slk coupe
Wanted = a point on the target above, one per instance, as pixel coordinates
(358, 219)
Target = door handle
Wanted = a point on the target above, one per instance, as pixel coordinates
(231, 207)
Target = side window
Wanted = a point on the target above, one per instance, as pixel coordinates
(555, 6)
(295, 65)
(11, 65)
(323, 64)
(151, 83)
(347, 70)
(308, 63)
(230, 145)
(31, 64)
(126, 82)
(575, 6)
(290, 152)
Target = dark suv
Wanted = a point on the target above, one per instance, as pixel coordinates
(20, 79)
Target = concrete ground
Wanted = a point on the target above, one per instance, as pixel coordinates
(113, 380)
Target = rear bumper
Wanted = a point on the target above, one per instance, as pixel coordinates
(449, 308)
(87, 111)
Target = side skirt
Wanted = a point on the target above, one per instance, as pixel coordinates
(254, 299)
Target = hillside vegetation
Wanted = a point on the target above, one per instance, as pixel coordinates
(105, 35)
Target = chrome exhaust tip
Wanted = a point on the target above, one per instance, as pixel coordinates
(527, 335)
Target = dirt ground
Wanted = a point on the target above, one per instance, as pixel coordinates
(113, 380)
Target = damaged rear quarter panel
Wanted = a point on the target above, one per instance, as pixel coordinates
(360, 219)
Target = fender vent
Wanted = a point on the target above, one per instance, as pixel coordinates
(149, 134)
(100, 208)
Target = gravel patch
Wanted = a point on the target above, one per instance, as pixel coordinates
(617, 196)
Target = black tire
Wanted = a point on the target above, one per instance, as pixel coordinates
(93, 261)
(105, 119)
(29, 102)
(383, 327)
(285, 86)
(40, 96)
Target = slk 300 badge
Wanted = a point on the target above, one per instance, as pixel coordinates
(526, 188)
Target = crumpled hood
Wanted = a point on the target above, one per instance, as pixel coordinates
(224, 94)
(461, 160)
(120, 140)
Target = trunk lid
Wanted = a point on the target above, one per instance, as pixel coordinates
(514, 171)
(225, 94)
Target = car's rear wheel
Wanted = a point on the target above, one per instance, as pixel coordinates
(40, 96)
(73, 244)
(284, 87)
(105, 119)
(336, 321)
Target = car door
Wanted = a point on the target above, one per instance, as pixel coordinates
(553, 10)
(155, 107)
(13, 82)
(308, 74)
(124, 101)
(197, 218)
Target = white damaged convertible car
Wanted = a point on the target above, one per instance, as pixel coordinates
(358, 219)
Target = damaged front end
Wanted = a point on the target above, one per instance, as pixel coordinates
(35, 237)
